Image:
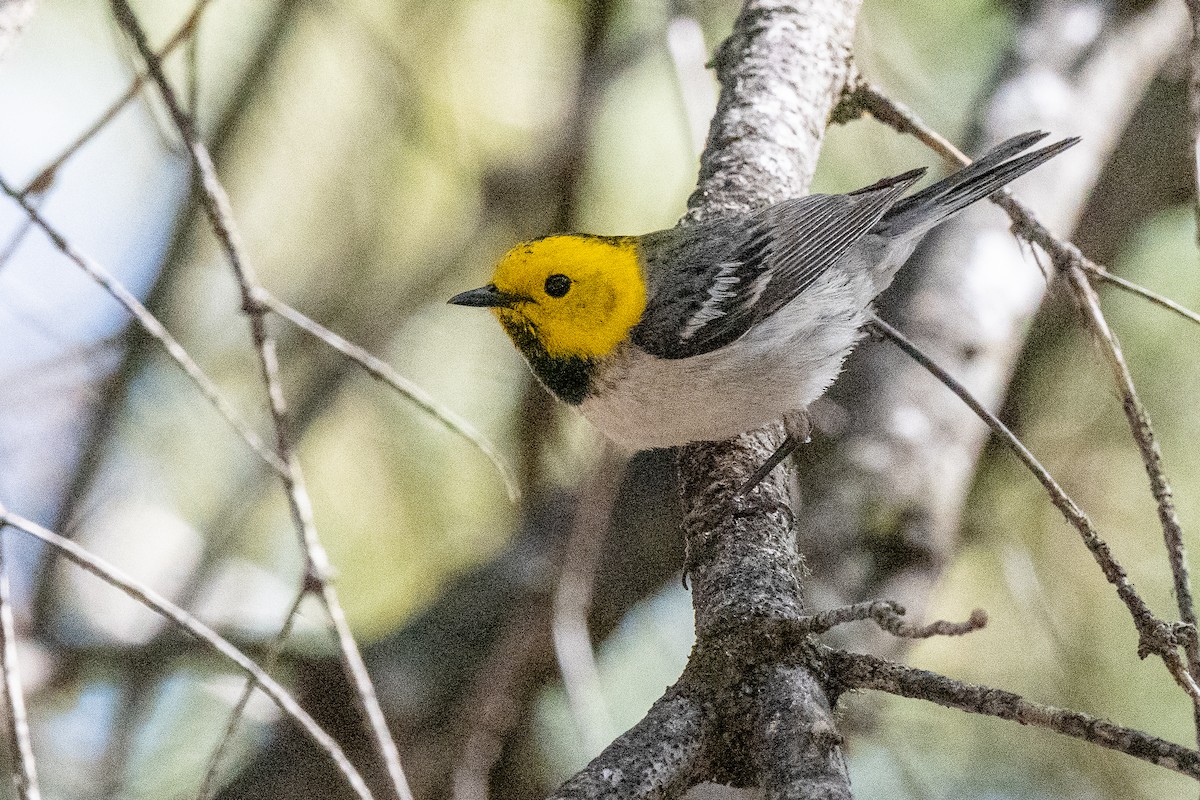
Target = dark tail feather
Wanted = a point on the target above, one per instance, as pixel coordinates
(979, 179)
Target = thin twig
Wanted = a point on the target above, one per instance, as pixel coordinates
(381, 370)
(24, 775)
(45, 177)
(573, 602)
(889, 616)
(1100, 273)
(1143, 435)
(156, 602)
(152, 326)
(858, 671)
(208, 786)
(1069, 260)
(217, 207)
(1155, 635)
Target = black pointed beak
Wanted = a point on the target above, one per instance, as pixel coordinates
(484, 297)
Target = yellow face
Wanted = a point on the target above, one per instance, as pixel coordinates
(579, 295)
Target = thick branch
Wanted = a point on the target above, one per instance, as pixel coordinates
(796, 740)
(654, 759)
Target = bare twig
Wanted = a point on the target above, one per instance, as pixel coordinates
(573, 602)
(217, 207)
(208, 786)
(889, 616)
(156, 602)
(857, 671)
(381, 370)
(153, 327)
(1155, 635)
(911, 489)
(45, 176)
(1099, 273)
(1070, 261)
(24, 774)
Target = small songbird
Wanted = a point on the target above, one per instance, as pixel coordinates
(699, 333)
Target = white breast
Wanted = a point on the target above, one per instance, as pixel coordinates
(781, 364)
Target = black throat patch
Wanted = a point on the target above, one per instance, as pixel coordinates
(568, 377)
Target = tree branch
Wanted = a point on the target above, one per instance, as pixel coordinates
(856, 671)
(215, 202)
(654, 760)
(884, 490)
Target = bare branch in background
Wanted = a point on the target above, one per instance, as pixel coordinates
(381, 370)
(216, 205)
(153, 327)
(101, 427)
(1154, 635)
(1099, 273)
(1071, 263)
(45, 178)
(882, 503)
(208, 786)
(159, 604)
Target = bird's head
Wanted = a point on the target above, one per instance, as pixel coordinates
(566, 297)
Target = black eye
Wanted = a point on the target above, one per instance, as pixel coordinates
(558, 285)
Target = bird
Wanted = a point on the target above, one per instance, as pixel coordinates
(705, 331)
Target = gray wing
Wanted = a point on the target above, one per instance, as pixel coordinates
(742, 271)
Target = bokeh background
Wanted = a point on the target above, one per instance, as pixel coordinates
(380, 156)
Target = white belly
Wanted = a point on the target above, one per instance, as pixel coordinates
(782, 364)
